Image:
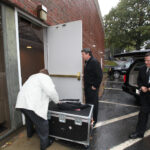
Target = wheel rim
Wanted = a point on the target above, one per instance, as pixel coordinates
(116, 75)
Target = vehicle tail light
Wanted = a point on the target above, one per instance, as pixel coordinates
(124, 78)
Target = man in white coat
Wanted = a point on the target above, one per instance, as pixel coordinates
(33, 100)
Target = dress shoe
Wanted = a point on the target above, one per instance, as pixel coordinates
(51, 140)
(30, 134)
(136, 135)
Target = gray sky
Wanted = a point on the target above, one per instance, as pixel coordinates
(106, 5)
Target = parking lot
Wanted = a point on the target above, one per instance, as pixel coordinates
(117, 118)
(118, 114)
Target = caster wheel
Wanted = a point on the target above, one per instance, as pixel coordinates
(86, 146)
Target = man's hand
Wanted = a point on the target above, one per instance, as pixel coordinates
(144, 89)
(93, 88)
(149, 89)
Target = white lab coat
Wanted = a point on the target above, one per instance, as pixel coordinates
(36, 93)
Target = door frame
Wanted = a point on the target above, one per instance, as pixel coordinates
(30, 18)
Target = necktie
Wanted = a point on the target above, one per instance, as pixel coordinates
(148, 74)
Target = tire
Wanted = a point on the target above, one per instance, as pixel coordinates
(116, 74)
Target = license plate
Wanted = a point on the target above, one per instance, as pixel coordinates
(137, 91)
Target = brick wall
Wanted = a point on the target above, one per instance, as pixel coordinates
(62, 11)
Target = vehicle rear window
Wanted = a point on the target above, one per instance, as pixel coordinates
(138, 66)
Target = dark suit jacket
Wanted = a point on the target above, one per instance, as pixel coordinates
(92, 73)
(143, 81)
(142, 77)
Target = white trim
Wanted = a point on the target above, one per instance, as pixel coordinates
(99, 13)
(113, 103)
(45, 42)
(18, 57)
(103, 123)
(18, 49)
(113, 89)
(31, 18)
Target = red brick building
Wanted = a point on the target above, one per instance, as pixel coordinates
(20, 25)
(62, 11)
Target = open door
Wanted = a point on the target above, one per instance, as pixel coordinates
(64, 61)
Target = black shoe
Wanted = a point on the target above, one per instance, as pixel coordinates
(29, 135)
(136, 135)
(51, 140)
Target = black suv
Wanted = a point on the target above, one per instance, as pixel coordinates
(115, 71)
(130, 78)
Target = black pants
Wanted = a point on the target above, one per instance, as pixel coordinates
(142, 122)
(91, 97)
(41, 127)
(144, 113)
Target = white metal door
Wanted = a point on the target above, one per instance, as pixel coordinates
(64, 59)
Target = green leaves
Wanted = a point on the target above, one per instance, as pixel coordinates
(128, 25)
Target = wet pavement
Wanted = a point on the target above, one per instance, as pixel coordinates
(117, 118)
(118, 114)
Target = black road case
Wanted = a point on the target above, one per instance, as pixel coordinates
(74, 126)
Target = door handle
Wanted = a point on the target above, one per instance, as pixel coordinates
(78, 75)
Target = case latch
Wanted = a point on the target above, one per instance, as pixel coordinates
(62, 118)
(78, 121)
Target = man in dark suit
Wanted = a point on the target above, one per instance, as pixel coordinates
(92, 80)
(144, 85)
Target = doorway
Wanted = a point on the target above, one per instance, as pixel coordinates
(31, 48)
